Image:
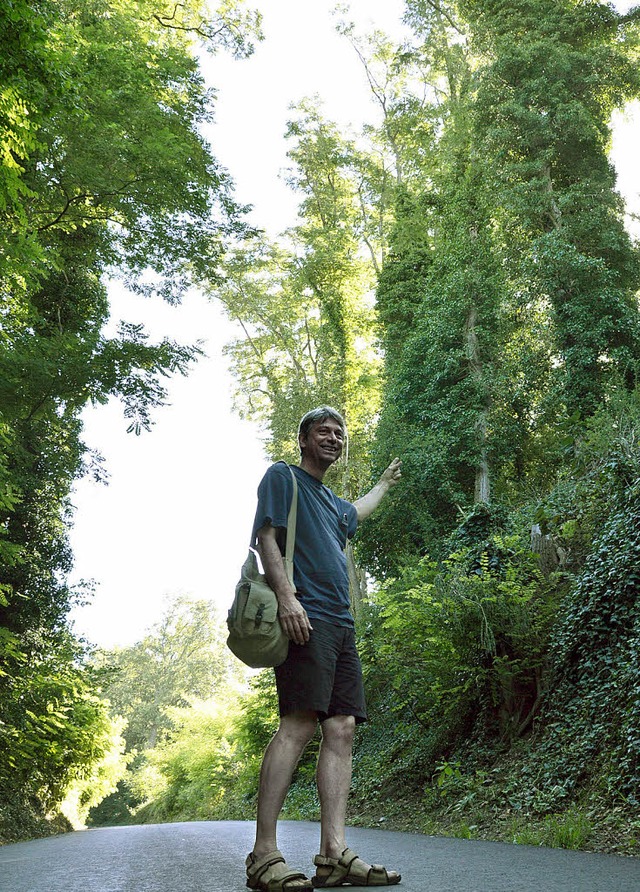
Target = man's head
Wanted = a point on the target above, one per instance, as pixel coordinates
(319, 419)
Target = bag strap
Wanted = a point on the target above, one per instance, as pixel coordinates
(291, 530)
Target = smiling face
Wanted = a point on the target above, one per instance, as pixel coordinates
(321, 446)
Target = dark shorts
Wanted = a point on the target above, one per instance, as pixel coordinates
(323, 675)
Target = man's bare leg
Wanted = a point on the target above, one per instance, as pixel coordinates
(334, 781)
(280, 759)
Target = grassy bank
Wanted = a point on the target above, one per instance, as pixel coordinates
(588, 828)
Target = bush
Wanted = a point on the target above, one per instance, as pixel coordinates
(466, 637)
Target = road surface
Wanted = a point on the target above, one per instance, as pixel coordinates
(208, 856)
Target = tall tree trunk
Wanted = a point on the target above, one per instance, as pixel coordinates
(549, 554)
(483, 481)
(357, 582)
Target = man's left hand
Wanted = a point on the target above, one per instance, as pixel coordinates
(393, 473)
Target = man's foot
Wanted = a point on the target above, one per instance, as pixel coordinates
(350, 870)
(272, 874)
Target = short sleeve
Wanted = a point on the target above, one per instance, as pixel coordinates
(275, 493)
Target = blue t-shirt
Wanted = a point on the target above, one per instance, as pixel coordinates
(324, 524)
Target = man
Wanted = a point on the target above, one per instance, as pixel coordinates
(321, 679)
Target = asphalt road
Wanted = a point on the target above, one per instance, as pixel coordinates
(209, 857)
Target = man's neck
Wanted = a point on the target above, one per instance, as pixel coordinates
(315, 470)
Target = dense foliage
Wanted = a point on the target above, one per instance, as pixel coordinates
(507, 313)
(95, 100)
(180, 679)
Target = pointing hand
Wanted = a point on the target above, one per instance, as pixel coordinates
(393, 473)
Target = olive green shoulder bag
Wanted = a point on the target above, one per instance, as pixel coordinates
(255, 634)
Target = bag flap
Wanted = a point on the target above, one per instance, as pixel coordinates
(261, 604)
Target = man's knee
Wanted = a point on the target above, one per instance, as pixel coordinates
(338, 731)
(298, 726)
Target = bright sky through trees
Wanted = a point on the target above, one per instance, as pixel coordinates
(176, 515)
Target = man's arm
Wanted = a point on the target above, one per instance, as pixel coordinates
(369, 502)
(293, 616)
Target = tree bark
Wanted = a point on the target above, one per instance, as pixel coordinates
(543, 545)
(483, 480)
(357, 582)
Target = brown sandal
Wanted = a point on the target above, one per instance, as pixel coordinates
(272, 874)
(351, 870)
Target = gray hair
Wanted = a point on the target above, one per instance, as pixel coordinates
(315, 416)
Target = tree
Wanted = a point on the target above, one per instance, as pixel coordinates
(521, 312)
(439, 300)
(54, 729)
(184, 656)
(304, 305)
(96, 99)
(552, 75)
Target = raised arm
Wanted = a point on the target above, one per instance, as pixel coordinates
(368, 503)
(293, 617)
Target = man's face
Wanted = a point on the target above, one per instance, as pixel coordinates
(323, 442)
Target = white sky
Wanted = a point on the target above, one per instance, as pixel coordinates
(177, 513)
